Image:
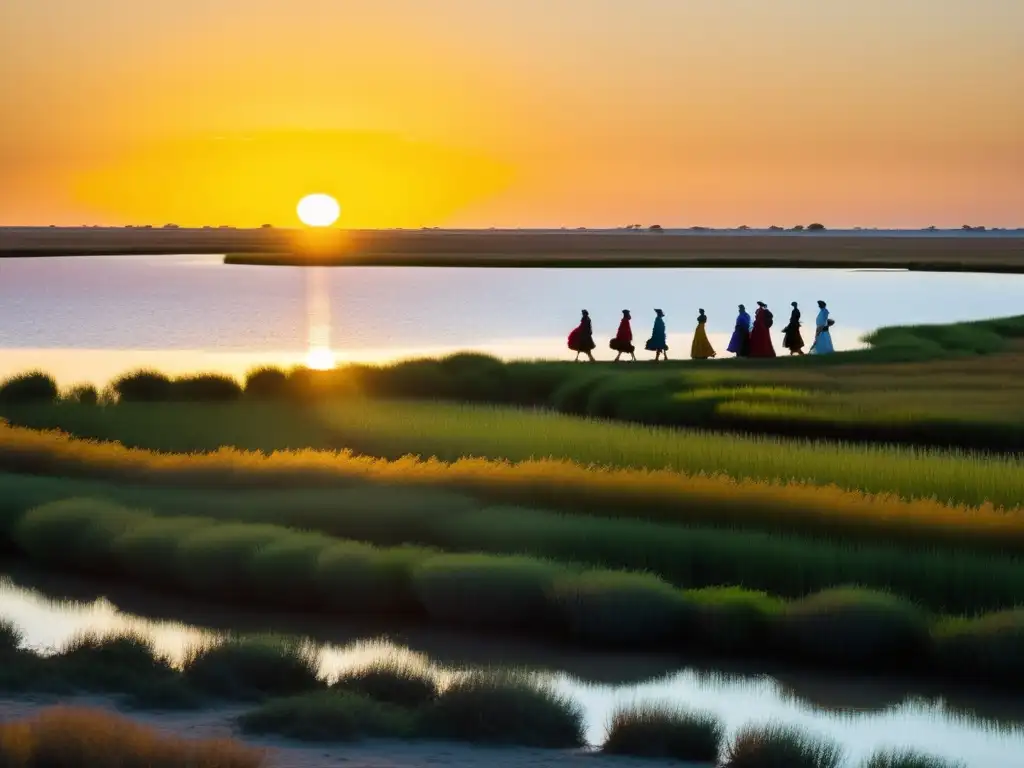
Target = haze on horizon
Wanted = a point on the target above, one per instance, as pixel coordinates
(534, 113)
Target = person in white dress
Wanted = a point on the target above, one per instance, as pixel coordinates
(822, 338)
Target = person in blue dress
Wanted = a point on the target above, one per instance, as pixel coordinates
(822, 337)
(658, 344)
(739, 344)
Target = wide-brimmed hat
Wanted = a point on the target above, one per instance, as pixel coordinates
(659, 312)
(762, 304)
(821, 303)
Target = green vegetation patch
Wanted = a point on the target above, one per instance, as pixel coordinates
(658, 731)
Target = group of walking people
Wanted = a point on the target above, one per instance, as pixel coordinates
(751, 337)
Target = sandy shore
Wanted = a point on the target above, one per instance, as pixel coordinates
(218, 723)
(980, 252)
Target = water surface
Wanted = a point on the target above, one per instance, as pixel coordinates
(864, 714)
(91, 318)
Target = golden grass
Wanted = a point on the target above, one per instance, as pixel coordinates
(560, 484)
(70, 737)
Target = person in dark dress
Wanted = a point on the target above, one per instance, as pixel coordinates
(792, 339)
(658, 343)
(581, 340)
(623, 341)
(761, 337)
(739, 344)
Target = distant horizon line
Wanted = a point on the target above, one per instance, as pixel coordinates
(813, 228)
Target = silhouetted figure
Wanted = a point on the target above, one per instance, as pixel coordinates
(701, 348)
(822, 338)
(739, 344)
(761, 337)
(581, 340)
(623, 341)
(658, 343)
(792, 339)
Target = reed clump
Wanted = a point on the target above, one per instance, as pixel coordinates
(906, 758)
(777, 746)
(664, 732)
(253, 668)
(327, 716)
(390, 682)
(70, 737)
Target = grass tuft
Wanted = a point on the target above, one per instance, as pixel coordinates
(504, 708)
(909, 759)
(327, 716)
(650, 730)
(253, 668)
(776, 746)
(390, 682)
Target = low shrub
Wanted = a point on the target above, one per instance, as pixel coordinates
(266, 383)
(83, 394)
(358, 578)
(989, 648)
(206, 387)
(486, 591)
(143, 387)
(391, 683)
(253, 668)
(855, 627)
(909, 759)
(616, 608)
(649, 730)
(503, 708)
(65, 737)
(733, 619)
(75, 532)
(329, 716)
(32, 387)
(776, 746)
(11, 637)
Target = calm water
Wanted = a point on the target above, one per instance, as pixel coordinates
(93, 318)
(863, 714)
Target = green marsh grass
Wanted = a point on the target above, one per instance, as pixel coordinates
(593, 608)
(897, 758)
(950, 579)
(664, 732)
(504, 708)
(662, 495)
(777, 746)
(390, 682)
(329, 716)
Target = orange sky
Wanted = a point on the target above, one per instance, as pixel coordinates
(513, 113)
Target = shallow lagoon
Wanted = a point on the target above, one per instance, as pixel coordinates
(864, 714)
(91, 318)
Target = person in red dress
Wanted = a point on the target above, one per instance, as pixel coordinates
(760, 335)
(623, 341)
(582, 337)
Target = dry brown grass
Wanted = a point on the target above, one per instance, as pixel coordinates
(70, 737)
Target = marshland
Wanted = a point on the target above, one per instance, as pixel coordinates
(360, 504)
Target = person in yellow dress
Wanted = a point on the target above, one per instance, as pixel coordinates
(701, 348)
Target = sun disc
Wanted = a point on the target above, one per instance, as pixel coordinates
(320, 359)
(318, 210)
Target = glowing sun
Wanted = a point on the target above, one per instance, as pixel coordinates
(318, 210)
(320, 359)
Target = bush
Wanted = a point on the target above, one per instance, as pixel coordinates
(619, 608)
(498, 708)
(648, 730)
(990, 648)
(75, 532)
(32, 387)
(358, 578)
(83, 394)
(11, 637)
(485, 591)
(63, 737)
(143, 387)
(775, 746)
(206, 387)
(328, 716)
(855, 627)
(909, 759)
(266, 383)
(390, 683)
(251, 668)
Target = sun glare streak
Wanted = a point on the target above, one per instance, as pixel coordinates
(318, 317)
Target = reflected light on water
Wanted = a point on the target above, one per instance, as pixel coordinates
(318, 319)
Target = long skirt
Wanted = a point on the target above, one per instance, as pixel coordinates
(621, 345)
(701, 348)
(792, 339)
(739, 344)
(580, 341)
(823, 344)
(761, 342)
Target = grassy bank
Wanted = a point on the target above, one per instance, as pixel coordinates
(663, 496)
(944, 385)
(949, 579)
(273, 567)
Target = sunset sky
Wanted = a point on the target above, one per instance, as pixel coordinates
(513, 112)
